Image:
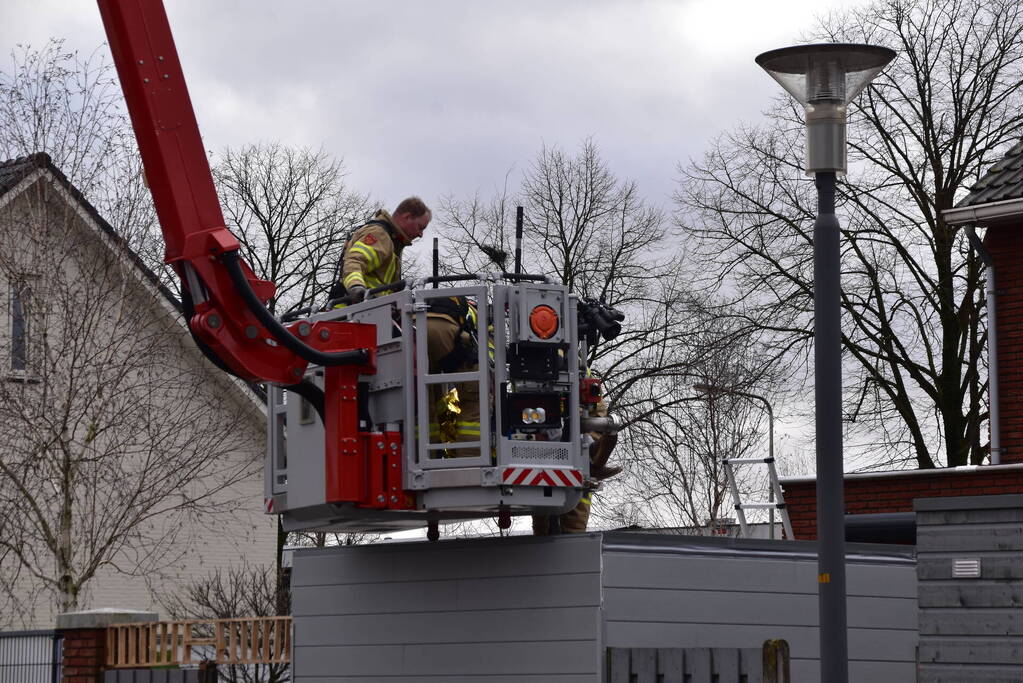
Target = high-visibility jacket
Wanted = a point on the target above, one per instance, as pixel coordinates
(372, 256)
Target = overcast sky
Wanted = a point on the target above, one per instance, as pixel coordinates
(445, 96)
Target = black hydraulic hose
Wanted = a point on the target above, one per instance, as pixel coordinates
(311, 393)
(189, 310)
(276, 329)
(295, 314)
(305, 388)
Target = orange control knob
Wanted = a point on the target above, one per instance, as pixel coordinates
(544, 321)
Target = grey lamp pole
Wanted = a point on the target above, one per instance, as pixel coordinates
(824, 79)
(711, 389)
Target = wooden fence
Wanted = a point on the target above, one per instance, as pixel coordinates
(264, 640)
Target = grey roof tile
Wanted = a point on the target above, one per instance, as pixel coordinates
(1003, 181)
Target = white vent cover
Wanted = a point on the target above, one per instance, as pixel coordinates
(966, 568)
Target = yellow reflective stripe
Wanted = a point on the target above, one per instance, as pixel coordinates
(587, 498)
(389, 271)
(372, 257)
(372, 281)
(468, 428)
(354, 278)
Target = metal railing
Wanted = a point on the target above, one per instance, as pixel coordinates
(30, 657)
(262, 640)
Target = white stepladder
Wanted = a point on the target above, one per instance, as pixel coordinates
(775, 502)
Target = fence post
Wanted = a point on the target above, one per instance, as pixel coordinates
(85, 641)
(776, 661)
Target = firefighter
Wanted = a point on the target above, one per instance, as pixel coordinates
(451, 347)
(372, 255)
(575, 520)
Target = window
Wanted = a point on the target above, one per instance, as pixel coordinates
(20, 317)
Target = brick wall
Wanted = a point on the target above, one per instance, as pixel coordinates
(1006, 245)
(84, 655)
(895, 491)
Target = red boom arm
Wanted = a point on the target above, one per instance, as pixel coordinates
(237, 330)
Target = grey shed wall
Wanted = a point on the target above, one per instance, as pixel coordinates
(971, 628)
(541, 610)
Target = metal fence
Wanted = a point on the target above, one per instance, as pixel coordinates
(30, 657)
(767, 664)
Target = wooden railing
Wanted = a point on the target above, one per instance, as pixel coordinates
(263, 640)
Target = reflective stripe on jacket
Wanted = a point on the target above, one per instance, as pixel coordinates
(372, 258)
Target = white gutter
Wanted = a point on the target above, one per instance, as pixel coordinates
(982, 214)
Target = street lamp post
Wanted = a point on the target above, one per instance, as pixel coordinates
(713, 389)
(824, 79)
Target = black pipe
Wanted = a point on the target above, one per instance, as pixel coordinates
(884, 527)
(524, 277)
(232, 262)
(518, 240)
(436, 262)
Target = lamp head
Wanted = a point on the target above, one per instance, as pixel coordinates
(824, 78)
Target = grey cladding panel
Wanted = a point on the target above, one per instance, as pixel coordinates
(975, 673)
(969, 594)
(808, 671)
(553, 624)
(733, 607)
(468, 659)
(654, 570)
(984, 622)
(864, 644)
(567, 590)
(969, 517)
(1000, 651)
(977, 537)
(446, 678)
(445, 560)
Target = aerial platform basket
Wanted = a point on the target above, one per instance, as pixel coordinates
(528, 458)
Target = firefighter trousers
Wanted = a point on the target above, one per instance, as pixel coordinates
(451, 421)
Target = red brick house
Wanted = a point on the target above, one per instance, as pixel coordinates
(994, 203)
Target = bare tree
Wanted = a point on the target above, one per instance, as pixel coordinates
(56, 101)
(292, 212)
(673, 452)
(595, 233)
(113, 435)
(236, 592)
(912, 309)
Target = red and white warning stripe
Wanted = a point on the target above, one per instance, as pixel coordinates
(538, 476)
(268, 503)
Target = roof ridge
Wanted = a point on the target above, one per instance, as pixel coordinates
(36, 159)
